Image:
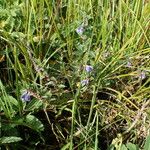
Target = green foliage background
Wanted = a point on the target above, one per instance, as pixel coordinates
(42, 52)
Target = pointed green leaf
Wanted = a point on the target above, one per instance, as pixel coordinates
(66, 146)
(9, 139)
(34, 123)
(31, 122)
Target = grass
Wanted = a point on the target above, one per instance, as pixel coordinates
(45, 49)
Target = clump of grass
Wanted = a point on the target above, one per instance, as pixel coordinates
(84, 67)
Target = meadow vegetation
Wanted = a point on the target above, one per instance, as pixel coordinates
(75, 74)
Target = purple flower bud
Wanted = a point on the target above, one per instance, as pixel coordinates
(26, 97)
(85, 82)
(80, 30)
(88, 68)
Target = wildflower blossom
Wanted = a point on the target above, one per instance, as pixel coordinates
(142, 75)
(129, 65)
(85, 82)
(80, 30)
(26, 96)
(88, 68)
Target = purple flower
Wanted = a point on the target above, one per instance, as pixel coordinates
(88, 68)
(80, 30)
(129, 65)
(142, 75)
(26, 97)
(85, 82)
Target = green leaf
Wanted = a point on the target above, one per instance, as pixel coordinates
(34, 105)
(31, 122)
(9, 139)
(131, 146)
(66, 146)
(111, 147)
(123, 147)
(13, 100)
(147, 143)
(18, 35)
(34, 123)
